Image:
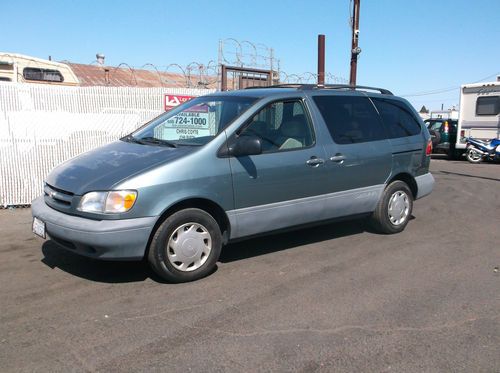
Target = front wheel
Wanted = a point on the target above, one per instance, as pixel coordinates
(186, 246)
(473, 156)
(394, 208)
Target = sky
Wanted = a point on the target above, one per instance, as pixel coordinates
(411, 47)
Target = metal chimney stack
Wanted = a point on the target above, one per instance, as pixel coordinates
(100, 58)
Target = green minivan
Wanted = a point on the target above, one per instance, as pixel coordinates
(232, 165)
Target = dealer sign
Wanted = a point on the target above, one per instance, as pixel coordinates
(172, 101)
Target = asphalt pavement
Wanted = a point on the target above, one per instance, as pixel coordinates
(332, 298)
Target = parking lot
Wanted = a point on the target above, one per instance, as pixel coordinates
(331, 298)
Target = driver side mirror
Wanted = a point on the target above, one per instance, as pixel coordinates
(244, 145)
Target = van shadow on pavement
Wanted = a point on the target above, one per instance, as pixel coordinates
(95, 270)
(287, 240)
(138, 271)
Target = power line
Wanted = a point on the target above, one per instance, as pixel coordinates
(436, 100)
(443, 90)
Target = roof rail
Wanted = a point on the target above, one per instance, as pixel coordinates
(286, 85)
(360, 87)
(328, 86)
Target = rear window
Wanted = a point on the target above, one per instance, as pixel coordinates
(397, 118)
(488, 105)
(350, 119)
(439, 125)
(434, 126)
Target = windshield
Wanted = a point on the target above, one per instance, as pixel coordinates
(194, 123)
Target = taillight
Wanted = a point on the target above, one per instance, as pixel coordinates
(428, 150)
(446, 128)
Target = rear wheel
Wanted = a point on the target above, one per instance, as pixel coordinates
(185, 246)
(473, 156)
(394, 208)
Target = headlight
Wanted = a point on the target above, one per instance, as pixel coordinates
(108, 202)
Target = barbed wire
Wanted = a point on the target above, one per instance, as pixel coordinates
(198, 74)
(157, 71)
(129, 67)
(245, 53)
(310, 78)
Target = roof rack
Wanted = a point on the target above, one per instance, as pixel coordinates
(328, 86)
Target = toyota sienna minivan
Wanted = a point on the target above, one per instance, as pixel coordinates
(236, 164)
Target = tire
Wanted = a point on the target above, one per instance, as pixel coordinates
(386, 220)
(452, 153)
(472, 156)
(457, 154)
(190, 257)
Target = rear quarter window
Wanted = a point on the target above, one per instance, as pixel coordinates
(398, 118)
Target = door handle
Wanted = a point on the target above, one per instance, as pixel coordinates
(315, 162)
(339, 158)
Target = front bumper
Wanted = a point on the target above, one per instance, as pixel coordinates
(124, 239)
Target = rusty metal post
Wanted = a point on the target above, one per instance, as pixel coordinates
(223, 85)
(321, 60)
(355, 50)
(106, 75)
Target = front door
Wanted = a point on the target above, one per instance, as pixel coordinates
(283, 186)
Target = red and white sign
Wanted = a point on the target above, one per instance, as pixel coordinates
(172, 101)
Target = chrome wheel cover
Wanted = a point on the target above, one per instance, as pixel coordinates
(474, 155)
(189, 246)
(399, 207)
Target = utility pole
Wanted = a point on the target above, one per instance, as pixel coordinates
(355, 50)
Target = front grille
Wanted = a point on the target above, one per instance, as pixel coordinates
(59, 190)
(57, 195)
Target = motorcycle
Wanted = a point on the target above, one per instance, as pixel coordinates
(477, 150)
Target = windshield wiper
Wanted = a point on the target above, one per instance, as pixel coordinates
(189, 144)
(154, 140)
(130, 138)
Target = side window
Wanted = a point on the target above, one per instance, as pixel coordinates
(42, 75)
(488, 105)
(281, 126)
(398, 118)
(436, 126)
(350, 119)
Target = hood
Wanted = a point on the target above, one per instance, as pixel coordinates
(101, 168)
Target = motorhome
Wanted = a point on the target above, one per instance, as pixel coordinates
(479, 112)
(26, 69)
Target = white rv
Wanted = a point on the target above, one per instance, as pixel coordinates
(479, 112)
